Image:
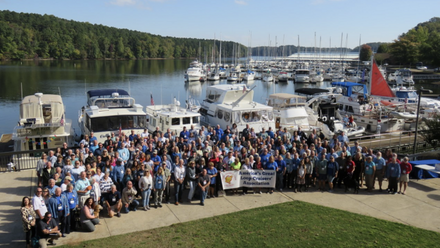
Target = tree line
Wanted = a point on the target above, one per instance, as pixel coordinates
(28, 36)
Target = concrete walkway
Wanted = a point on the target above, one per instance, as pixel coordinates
(420, 207)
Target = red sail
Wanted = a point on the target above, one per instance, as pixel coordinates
(379, 86)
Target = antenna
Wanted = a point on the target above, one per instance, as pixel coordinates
(85, 86)
(21, 90)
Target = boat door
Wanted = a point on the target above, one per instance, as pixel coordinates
(277, 122)
(162, 124)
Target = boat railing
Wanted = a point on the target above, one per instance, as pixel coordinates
(36, 129)
(23, 160)
(119, 102)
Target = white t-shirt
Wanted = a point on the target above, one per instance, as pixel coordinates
(39, 204)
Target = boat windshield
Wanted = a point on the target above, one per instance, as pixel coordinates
(406, 94)
(113, 123)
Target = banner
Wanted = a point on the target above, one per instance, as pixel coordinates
(248, 178)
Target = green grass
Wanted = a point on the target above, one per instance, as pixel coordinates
(289, 224)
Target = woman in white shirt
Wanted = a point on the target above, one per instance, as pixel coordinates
(145, 185)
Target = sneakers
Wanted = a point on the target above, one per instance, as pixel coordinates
(202, 203)
(177, 203)
(160, 205)
(118, 214)
(145, 209)
(261, 192)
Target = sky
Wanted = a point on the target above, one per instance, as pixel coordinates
(249, 22)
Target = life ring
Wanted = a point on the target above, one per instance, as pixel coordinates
(324, 118)
(350, 99)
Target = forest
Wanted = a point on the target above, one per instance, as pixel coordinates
(29, 36)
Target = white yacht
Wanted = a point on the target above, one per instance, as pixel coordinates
(233, 76)
(234, 104)
(42, 124)
(193, 74)
(267, 77)
(171, 116)
(249, 75)
(283, 77)
(213, 75)
(302, 76)
(110, 110)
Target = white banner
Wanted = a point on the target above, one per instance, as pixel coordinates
(248, 178)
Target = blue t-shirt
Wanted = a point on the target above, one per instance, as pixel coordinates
(281, 165)
(332, 168)
(369, 166)
(211, 172)
(271, 166)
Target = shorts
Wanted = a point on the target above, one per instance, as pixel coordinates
(330, 178)
(322, 177)
(404, 178)
(114, 208)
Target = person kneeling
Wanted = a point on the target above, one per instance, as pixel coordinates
(87, 216)
(128, 201)
(113, 202)
(47, 230)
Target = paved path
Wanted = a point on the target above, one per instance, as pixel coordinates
(419, 208)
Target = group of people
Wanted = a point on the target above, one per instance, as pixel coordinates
(128, 172)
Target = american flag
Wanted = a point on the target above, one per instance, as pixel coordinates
(152, 100)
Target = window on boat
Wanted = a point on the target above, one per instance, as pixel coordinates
(154, 122)
(270, 115)
(246, 117)
(195, 119)
(227, 116)
(175, 121)
(112, 123)
(186, 120)
(350, 109)
(47, 113)
(220, 114)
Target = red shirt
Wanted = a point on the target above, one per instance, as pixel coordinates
(350, 166)
(405, 168)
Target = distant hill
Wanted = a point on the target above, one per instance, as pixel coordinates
(25, 36)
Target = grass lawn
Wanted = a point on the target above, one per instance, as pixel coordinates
(289, 224)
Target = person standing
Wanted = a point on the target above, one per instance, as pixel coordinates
(63, 210)
(203, 183)
(72, 200)
(167, 183)
(393, 173)
(321, 171)
(192, 179)
(332, 172)
(370, 169)
(39, 204)
(179, 176)
(28, 217)
(83, 187)
(405, 168)
(159, 185)
(271, 165)
(380, 169)
(145, 185)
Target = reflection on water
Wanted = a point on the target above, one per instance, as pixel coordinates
(162, 78)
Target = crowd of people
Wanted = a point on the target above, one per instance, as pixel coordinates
(137, 171)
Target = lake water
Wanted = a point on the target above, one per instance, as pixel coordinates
(163, 78)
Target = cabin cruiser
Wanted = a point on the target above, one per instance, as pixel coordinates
(172, 116)
(226, 105)
(108, 111)
(401, 76)
(194, 74)
(42, 124)
(233, 76)
(283, 77)
(213, 75)
(302, 76)
(267, 77)
(249, 75)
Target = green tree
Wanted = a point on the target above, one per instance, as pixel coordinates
(365, 53)
(383, 48)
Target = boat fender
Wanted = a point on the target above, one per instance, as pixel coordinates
(324, 118)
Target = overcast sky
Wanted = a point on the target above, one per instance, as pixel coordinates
(250, 22)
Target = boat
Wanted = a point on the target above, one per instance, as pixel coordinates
(42, 124)
(172, 116)
(249, 75)
(233, 76)
(401, 76)
(193, 74)
(267, 77)
(291, 112)
(213, 75)
(226, 105)
(283, 77)
(302, 76)
(109, 111)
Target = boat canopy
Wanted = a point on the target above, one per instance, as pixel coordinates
(41, 109)
(311, 91)
(110, 98)
(350, 88)
(285, 100)
(106, 93)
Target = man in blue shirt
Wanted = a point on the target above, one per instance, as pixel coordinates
(380, 169)
(184, 135)
(92, 139)
(393, 174)
(280, 172)
(132, 136)
(332, 172)
(219, 132)
(124, 154)
(118, 175)
(264, 158)
(156, 161)
(270, 133)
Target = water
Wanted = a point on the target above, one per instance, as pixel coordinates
(162, 78)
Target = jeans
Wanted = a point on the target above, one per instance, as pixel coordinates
(146, 198)
(178, 188)
(203, 194)
(167, 191)
(158, 193)
(89, 225)
(30, 234)
(132, 206)
(192, 188)
(279, 180)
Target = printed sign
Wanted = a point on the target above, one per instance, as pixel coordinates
(248, 178)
